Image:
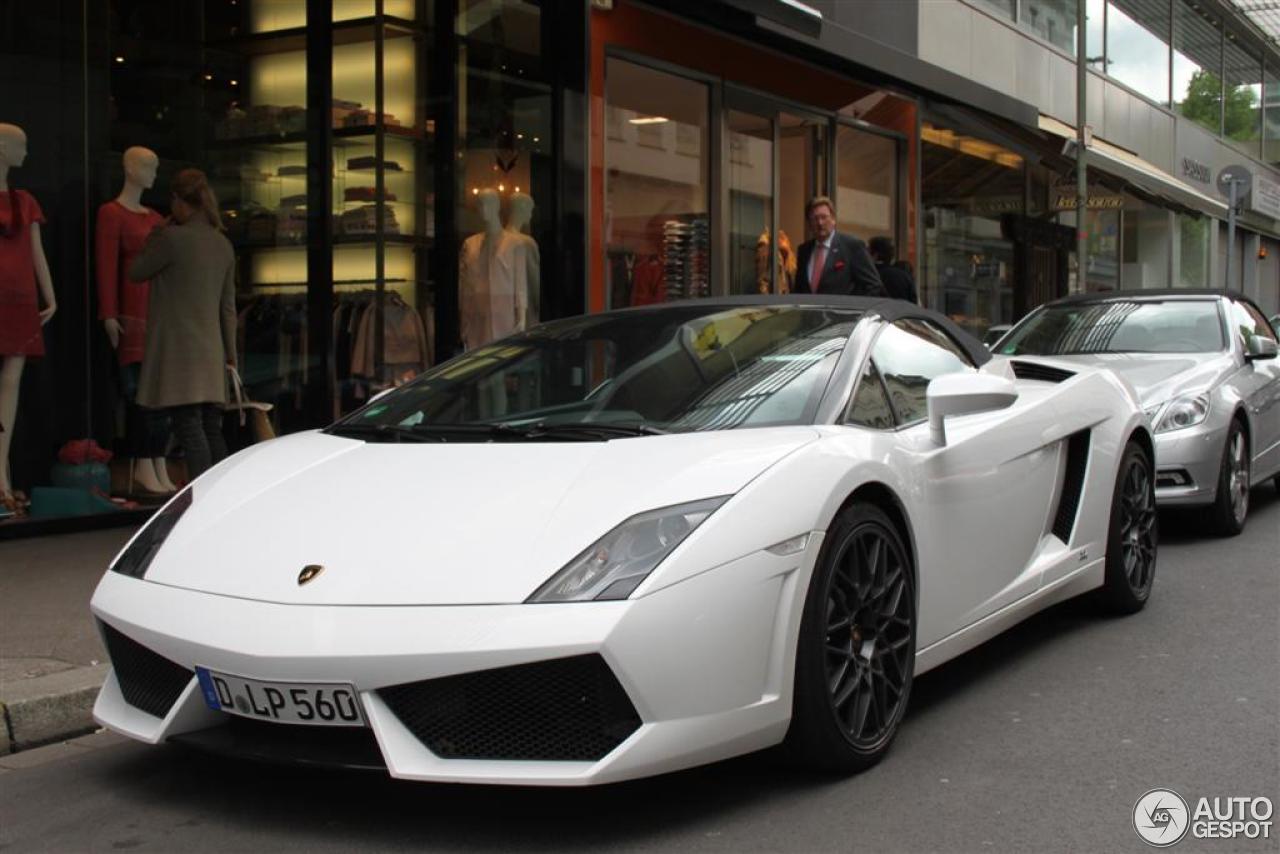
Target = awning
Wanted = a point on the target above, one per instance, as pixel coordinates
(1141, 173)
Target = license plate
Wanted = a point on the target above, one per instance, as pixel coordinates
(321, 704)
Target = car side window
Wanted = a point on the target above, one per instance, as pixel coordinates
(909, 353)
(1247, 320)
(870, 404)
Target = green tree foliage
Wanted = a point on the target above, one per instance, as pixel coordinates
(1201, 105)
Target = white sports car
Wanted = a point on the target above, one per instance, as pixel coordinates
(627, 543)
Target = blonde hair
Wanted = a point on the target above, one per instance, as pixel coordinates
(192, 187)
(819, 201)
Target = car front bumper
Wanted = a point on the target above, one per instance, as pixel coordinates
(706, 663)
(1187, 465)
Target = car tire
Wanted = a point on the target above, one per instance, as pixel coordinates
(856, 649)
(1230, 509)
(1133, 534)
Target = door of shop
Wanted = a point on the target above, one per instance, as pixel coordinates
(775, 158)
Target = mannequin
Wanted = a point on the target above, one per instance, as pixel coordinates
(525, 260)
(123, 227)
(24, 283)
(490, 305)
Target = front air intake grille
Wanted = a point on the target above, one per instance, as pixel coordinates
(566, 709)
(1072, 485)
(1036, 371)
(149, 682)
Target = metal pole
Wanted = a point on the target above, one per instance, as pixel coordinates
(1231, 231)
(1082, 179)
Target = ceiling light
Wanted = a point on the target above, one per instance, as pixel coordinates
(649, 120)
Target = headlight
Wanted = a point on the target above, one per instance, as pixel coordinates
(1181, 412)
(138, 556)
(615, 564)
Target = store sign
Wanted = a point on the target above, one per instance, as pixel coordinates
(1266, 197)
(1196, 171)
(1065, 198)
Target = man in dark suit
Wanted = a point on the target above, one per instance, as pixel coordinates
(833, 263)
(897, 280)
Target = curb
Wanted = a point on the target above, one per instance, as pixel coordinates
(49, 708)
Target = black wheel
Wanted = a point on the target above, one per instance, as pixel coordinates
(857, 645)
(1133, 534)
(1231, 507)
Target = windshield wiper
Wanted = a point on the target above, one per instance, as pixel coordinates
(588, 430)
(383, 433)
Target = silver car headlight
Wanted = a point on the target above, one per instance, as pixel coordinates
(614, 565)
(135, 560)
(1180, 413)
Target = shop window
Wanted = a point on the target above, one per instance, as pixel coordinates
(1095, 12)
(1138, 47)
(1242, 94)
(750, 176)
(1197, 60)
(1193, 251)
(1052, 20)
(967, 268)
(866, 183)
(1146, 245)
(657, 187)
(504, 175)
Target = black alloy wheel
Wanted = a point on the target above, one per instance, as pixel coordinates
(856, 653)
(1134, 534)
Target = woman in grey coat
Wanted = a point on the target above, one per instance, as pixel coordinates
(191, 320)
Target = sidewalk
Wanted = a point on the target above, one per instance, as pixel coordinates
(51, 659)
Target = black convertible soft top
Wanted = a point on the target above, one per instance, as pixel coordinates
(886, 307)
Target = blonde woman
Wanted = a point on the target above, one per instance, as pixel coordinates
(191, 326)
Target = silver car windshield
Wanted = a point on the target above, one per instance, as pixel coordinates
(1119, 326)
(673, 369)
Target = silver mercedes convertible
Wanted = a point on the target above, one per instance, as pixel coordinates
(1204, 364)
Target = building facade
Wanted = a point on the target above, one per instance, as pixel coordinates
(403, 180)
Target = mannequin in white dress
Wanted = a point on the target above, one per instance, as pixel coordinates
(490, 306)
(526, 261)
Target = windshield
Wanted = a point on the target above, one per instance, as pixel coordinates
(674, 369)
(1119, 326)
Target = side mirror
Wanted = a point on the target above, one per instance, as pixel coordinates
(1258, 347)
(961, 394)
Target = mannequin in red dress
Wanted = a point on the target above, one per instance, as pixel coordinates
(24, 281)
(123, 227)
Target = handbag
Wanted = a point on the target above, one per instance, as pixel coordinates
(248, 423)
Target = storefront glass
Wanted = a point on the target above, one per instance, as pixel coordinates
(657, 203)
(323, 130)
(750, 176)
(1193, 251)
(1197, 58)
(866, 182)
(967, 266)
(1138, 47)
(1145, 245)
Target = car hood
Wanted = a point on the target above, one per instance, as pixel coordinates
(436, 524)
(1156, 377)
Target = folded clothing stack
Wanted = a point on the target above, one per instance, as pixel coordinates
(366, 194)
(368, 161)
(363, 221)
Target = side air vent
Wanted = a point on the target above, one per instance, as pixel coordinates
(1072, 485)
(1036, 371)
(149, 681)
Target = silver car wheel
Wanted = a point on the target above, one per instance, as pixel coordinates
(1239, 462)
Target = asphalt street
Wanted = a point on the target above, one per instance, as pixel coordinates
(1041, 740)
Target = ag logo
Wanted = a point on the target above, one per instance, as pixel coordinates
(1161, 817)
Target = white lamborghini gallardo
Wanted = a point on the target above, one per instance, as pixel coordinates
(626, 543)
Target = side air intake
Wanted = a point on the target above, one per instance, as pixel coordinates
(1036, 371)
(1064, 521)
(149, 681)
